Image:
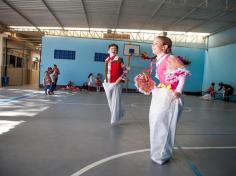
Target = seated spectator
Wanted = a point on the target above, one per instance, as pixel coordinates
(84, 86)
(69, 85)
(210, 92)
(228, 91)
(98, 82)
(211, 89)
(90, 81)
(220, 86)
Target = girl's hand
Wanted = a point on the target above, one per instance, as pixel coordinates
(177, 94)
(118, 81)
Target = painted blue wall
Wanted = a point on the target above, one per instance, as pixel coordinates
(220, 65)
(196, 56)
(77, 70)
(220, 59)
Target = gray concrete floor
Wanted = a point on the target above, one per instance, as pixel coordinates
(70, 135)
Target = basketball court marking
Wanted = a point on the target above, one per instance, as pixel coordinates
(104, 160)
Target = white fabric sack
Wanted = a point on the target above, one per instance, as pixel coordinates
(113, 93)
(207, 97)
(164, 113)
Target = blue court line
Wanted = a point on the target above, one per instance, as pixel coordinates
(190, 163)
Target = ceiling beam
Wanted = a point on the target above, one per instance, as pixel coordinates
(212, 18)
(153, 14)
(53, 14)
(158, 8)
(3, 24)
(119, 13)
(85, 12)
(3, 27)
(21, 14)
(18, 39)
(30, 37)
(221, 29)
(186, 15)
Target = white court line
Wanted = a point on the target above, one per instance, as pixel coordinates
(187, 109)
(104, 160)
(90, 166)
(206, 148)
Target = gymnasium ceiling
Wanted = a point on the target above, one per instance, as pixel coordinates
(205, 16)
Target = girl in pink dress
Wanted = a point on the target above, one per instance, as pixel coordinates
(166, 104)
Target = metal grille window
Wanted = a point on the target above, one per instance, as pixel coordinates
(64, 54)
(12, 61)
(100, 57)
(19, 62)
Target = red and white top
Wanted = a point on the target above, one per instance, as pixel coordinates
(113, 68)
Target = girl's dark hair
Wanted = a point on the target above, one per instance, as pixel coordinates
(115, 45)
(184, 61)
(90, 74)
(166, 41)
(221, 84)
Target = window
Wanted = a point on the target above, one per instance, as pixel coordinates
(19, 62)
(12, 61)
(100, 57)
(64, 54)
